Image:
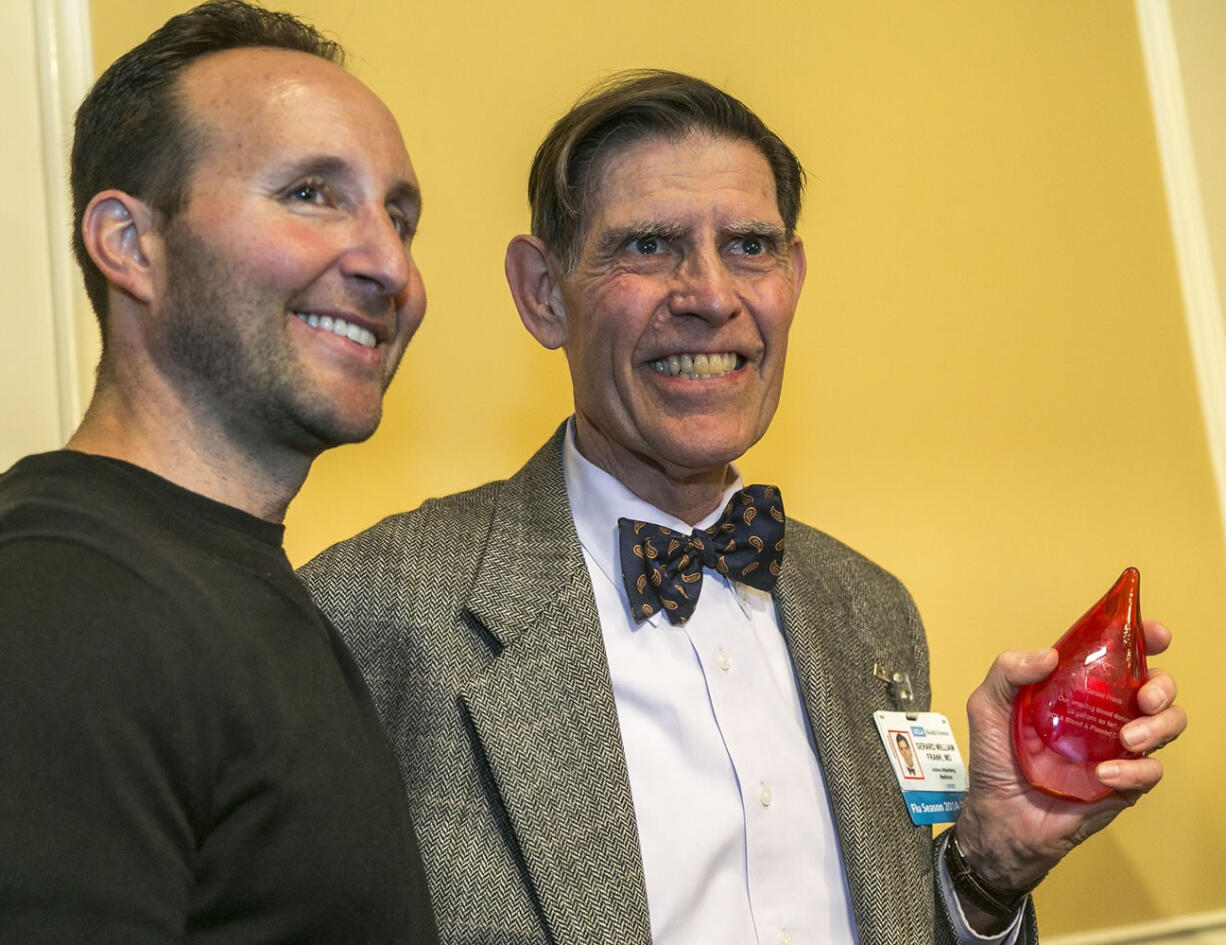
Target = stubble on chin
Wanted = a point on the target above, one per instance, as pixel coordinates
(226, 347)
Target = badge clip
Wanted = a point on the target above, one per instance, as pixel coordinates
(901, 682)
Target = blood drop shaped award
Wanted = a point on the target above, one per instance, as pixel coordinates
(1067, 724)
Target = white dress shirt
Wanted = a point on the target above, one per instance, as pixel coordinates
(733, 816)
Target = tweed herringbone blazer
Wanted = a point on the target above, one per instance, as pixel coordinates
(474, 622)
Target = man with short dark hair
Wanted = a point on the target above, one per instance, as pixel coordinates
(906, 753)
(189, 752)
(632, 702)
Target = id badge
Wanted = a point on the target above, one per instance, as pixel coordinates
(927, 763)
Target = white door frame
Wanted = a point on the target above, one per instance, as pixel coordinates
(1198, 281)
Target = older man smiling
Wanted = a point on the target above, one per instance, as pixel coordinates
(626, 709)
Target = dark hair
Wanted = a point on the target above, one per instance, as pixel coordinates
(132, 133)
(629, 107)
(901, 739)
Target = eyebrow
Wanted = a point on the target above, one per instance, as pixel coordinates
(756, 228)
(613, 239)
(318, 165)
(331, 166)
(406, 192)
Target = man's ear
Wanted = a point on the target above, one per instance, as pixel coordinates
(799, 265)
(532, 276)
(117, 230)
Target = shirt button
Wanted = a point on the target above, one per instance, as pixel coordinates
(723, 661)
(764, 795)
(785, 938)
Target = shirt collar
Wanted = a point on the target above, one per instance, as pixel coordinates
(598, 500)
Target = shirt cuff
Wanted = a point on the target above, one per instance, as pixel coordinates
(962, 929)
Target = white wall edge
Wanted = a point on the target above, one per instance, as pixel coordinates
(1202, 303)
(1183, 929)
(65, 73)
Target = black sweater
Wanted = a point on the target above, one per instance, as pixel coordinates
(187, 752)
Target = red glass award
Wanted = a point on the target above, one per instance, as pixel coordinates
(1064, 726)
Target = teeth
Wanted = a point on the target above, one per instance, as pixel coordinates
(696, 366)
(338, 326)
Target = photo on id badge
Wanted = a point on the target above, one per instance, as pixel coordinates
(904, 751)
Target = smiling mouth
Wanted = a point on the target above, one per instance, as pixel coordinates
(695, 367)
(338, 326)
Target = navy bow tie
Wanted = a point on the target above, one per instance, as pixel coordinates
(662, 567)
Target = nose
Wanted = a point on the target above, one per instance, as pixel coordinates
(377, 255)
(705, 288)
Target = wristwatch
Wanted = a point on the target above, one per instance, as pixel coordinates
(967, 882)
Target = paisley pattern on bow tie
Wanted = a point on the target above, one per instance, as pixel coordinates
(662, 567)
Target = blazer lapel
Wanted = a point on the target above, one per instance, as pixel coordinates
(834, 667)
(545, 717)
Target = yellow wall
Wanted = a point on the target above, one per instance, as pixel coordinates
(990, 389)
